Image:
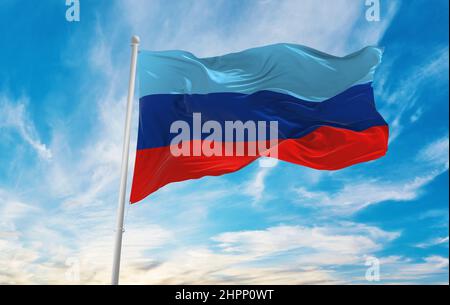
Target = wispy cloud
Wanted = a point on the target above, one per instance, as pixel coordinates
(354, 196)
(346, 239)
(436, 153)
(401, 270)
(402, 99)
(282, 254)
(433, 242)
(311, 22)
(357, 196)
(14, 117)
(255, 188)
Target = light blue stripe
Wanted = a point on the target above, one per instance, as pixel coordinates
(291, 69)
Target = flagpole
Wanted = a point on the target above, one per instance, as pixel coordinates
(124, 167)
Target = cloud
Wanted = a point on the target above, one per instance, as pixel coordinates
(83, 235)
(347, 239)
(14, 117)
(402, 97)
(157, 253)
(436, 153)
(255, 188)
(203, 266)
(15, 256)
(433, 242)
(275, 255)
(310, 22)
(356, 195)
(11, 211)
(402, 270)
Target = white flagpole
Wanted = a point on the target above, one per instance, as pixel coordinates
(124, 168)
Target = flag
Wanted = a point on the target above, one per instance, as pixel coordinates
(211, 116)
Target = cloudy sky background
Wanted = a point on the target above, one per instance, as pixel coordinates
(62, 101)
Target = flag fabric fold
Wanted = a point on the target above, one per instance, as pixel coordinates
(323, 107)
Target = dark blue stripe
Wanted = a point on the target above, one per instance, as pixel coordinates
(352, 109)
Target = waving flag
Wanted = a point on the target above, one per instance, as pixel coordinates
(321, 106)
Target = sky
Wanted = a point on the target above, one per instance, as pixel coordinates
(63, 88)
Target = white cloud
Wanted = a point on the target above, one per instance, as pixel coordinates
(433, 242)
(346, 239)
(255, 188)
(36, 243)
(15, 256)
(155, 254)
(436, 153)
(11, 211)
(356, 195)
(310, 22)
(276, 255)
(416, 115)
(203, 266)
(14, 117)
(401, 99)
(403, 270)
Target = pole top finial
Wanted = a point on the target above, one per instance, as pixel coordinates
(135, 39)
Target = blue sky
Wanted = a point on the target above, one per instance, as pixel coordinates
(62, 101)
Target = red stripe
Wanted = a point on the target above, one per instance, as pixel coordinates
(326, 148)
